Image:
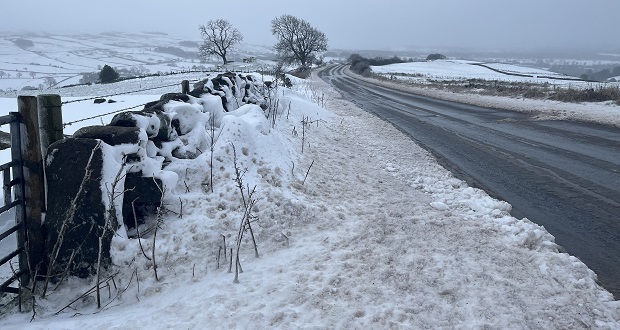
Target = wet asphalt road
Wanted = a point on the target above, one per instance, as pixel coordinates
(563, 175)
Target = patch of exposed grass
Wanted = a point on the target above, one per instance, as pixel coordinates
(598, 93)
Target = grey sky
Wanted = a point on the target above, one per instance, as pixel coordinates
(358, 24)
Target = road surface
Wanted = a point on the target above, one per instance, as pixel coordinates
(563, 175)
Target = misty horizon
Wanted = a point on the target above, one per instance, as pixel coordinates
(396, 24)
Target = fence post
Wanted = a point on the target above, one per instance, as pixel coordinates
(50, 120)
(185, 87)
(6, 187)
(34, 193)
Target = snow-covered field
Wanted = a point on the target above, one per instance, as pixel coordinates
(445, 70)
(362, 230)
(66, 58)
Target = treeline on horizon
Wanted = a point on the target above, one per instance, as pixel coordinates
(361, 65)
(601, 75)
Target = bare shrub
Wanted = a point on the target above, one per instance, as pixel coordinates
(598, 93)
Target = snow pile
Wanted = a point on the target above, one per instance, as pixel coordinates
(452, 195)
(361, 230)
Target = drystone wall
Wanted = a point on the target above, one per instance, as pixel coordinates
(106, 178)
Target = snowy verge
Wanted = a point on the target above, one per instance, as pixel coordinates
(378, 236)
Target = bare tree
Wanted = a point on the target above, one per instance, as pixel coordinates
(219, 37)
(50, 81)
(298, 41)
(2, 74)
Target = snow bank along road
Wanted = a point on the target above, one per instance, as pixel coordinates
(563, 175)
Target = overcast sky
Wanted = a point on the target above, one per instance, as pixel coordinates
(354, 24)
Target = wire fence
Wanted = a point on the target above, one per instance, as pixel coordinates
(102, 115)
(115, 94)
(110, 95)
(121, 93)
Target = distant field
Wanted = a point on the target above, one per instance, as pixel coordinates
(65, 59)
(446, 70)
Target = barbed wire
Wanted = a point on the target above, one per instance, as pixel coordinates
(116, 94)
(104, 114)
(122, 93)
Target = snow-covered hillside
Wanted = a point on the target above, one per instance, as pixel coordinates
(445, 70)
(65, 58)
(363, 229)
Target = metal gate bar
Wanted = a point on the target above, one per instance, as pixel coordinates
(16, 185)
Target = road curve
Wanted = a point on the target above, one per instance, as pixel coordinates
(563, 175)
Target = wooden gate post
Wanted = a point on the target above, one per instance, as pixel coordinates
(185, 87)
(33, 180)
(6, 187)
(50, 120)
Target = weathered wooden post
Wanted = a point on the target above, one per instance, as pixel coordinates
(34, 193)
(6, 180)
(50, 120)
(185, 87)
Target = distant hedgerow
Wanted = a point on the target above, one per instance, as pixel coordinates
(361, 65)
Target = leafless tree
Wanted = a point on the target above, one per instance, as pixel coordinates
(298, 41)
(219, 37)
(49, 81)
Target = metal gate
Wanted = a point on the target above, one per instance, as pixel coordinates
(13, 178)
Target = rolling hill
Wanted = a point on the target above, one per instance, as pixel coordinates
(38, 61)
